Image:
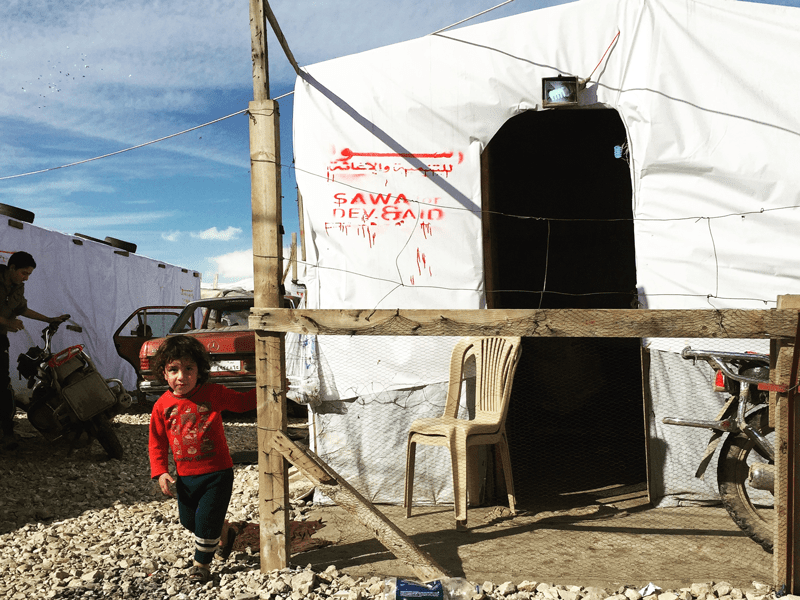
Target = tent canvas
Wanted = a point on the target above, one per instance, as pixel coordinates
(388, 150)
(97, 284)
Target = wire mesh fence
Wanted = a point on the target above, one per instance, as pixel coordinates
(593, 464)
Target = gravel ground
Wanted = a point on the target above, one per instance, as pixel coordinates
(77, 525)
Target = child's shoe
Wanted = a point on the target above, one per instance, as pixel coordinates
(199, 573)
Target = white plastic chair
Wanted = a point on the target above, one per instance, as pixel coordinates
(496, 360)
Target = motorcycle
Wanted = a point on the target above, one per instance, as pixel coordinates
(746, 461)
(69, 397)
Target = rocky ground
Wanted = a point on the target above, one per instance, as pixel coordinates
(77, 525)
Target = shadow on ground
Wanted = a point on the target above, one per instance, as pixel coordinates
(608, 540)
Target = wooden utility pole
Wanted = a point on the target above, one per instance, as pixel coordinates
(265, 181)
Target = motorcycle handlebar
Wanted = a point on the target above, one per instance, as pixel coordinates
(719, 361)
(688, 352)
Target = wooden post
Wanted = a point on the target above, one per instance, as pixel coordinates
(258, 49)
(302, 222)
(265, 181)
(294, 257)
(785, 413)
(292, 262)
(346, 496)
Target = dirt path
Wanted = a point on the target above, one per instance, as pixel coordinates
(618, 541)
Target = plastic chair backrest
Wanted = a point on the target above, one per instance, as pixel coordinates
(496, 360)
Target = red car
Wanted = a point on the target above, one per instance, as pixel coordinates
(221, 324)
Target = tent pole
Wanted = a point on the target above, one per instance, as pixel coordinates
(294, 257)
(265, 181)
(301, 219)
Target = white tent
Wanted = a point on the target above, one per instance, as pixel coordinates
(97, 284)
(388, 150)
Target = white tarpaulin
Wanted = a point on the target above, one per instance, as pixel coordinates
(388, 146)
(97, 284)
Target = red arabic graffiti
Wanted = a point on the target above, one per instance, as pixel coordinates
(351, 164)
(367, 233)
(422, 267)
(360, 229)
(367, 214)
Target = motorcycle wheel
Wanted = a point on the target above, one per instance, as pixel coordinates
(107, 437)
(755, 518)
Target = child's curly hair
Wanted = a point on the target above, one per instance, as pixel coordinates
(177, 347)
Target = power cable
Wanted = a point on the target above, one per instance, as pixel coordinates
(520, 291)
(553, 219)
(80, 162)
(604, 55)
(472, 17)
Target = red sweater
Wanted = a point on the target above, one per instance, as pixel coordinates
(192, 428)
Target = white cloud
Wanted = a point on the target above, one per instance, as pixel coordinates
(48, 201)
(172, 236)
(245, 284)
(226, 235)
(95, 221)
(235, 270)
(49, 188)
(235, 265)
(65, 75)
(165, 68)
(147, 201)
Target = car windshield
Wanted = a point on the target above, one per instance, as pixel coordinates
(233, 312)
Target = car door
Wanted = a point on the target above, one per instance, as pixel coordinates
(145, 323)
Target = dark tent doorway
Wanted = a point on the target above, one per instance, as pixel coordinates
(559, 234)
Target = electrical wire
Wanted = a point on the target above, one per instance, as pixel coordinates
(604, 55)
(544, 290)
(81, 162)
(484, 212)
(553, 219)
(546, 264)
(716, 258)
(472, 17)
(522, 291)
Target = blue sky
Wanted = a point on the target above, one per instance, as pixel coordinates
(85, 78)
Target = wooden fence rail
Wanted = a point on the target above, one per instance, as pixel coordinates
(623, 323)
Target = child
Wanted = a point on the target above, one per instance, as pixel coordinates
(188, 420)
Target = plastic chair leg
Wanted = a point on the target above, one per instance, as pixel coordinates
(411, 451)
(505, 457)
(458, 459)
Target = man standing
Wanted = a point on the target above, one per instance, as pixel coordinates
(13, 305)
